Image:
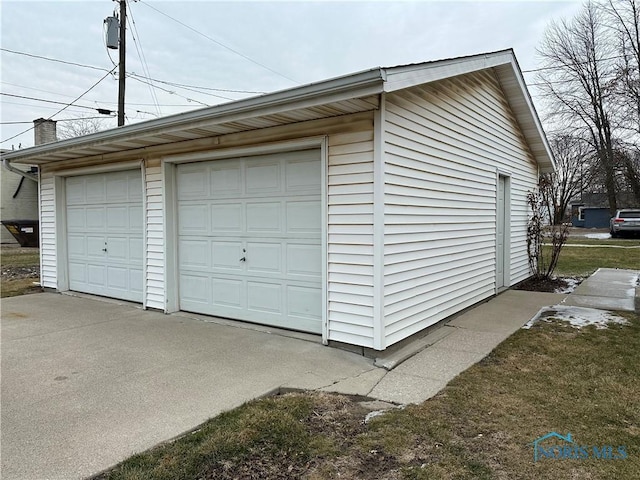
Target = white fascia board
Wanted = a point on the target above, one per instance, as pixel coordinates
(398, 78)
(368, 82)
(545, 157)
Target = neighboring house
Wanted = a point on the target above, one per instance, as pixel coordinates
(364, 208)
(592, 209)
(589, 217)
(19, 200)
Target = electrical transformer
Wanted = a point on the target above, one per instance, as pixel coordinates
(113, 28)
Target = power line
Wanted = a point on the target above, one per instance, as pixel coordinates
(82, 106)
(179, 86)
(143, 60)
(62, 120)
(219, 43)
(142, 76)
(44, 100)
(66, 106)
(169, 91)
(79, 112)
(83, 65)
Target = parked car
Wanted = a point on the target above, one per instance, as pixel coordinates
(626, 221)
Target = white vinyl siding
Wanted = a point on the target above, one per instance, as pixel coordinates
(350, 238)
(48, 271)
(154, 238)
(444, 145)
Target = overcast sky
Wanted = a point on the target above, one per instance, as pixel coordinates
(252, 46)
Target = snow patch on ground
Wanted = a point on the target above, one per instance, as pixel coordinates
(578, 317)
(598, 236)
(572, 283)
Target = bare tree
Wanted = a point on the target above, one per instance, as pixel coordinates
(543, 262)
(573, 171)
(579, 80)
(79, 127)
(624, 21)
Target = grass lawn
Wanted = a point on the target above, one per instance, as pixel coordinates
(583, 261)
(628, 242)
(20, 268)
(549, 378)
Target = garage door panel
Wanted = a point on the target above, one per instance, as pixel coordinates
(76, 245)
(194, 254)
(95, 189)
(118, 250)
(195, 289)
(75, 191)
(192, 219)
(135, 281)
(264, 258)
(303, 216)
(95, 246)
(134, 187)
(263, 177)
(78, 273)
(225, 179)
(266, 210)
(192, 182)
(76, 219)
(264, 217)
(117, 218)
(264, 297)
(227, 255)
(95, 218)
(301, 176)
(228, 292)
(304, 302)
(104, 234)
(117, 278)
(227, 217)
(136, 252)
(117, 188)
(96, 275)
(136, 218)
(303, 261)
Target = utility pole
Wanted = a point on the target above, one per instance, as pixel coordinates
(121, 63)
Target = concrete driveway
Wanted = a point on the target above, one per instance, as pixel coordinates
(86, 383)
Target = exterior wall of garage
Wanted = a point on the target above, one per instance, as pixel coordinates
(402, 253)
(349, 231)
(444, 146)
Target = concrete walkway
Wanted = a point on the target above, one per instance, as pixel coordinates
(86, 383)
(449, 350)
(608, 289)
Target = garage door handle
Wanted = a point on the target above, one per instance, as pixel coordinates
(104, 249)
(243, 259)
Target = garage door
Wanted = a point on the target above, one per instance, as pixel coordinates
(249, 239)
(104, 234)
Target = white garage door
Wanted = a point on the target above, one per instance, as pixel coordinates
(104, 234)
(249, 239)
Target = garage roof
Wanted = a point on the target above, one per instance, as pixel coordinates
(357, 92)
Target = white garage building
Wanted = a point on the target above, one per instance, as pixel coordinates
(363, 208)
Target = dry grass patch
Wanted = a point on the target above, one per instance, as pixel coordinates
(20, 269)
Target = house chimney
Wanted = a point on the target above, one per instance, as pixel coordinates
(45, 131)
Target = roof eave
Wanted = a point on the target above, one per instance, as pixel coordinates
(359, 84)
